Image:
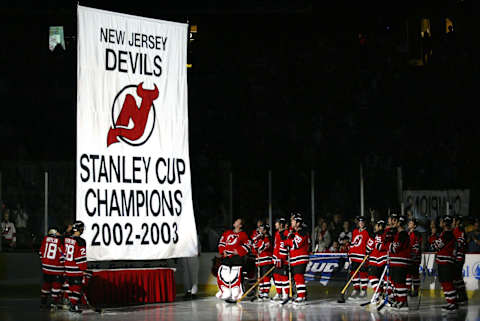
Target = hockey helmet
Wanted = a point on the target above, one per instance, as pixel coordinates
(78, 226)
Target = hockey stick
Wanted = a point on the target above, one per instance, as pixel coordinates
(290, 292)
(425, 268)
(251, 288)
(374, 296)
(258, 288)
(341, 298)
(387, 285)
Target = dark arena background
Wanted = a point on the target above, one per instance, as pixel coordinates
(329, 113)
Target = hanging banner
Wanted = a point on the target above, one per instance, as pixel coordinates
(133, 168)
(432, 204)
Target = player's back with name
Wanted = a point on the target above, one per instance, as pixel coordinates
(75, 256)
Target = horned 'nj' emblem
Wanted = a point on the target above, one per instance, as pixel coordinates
(130, 110)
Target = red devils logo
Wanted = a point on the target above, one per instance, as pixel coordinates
(232, 239)
(357, 240)
(133, 124)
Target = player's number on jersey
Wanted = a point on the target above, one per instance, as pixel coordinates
(69, 252)
(50, 251)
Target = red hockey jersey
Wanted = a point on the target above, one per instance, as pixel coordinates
(232, 243)
(378, 255)
(75, 256)
(299, 243)
(400, 250)
(51, 255)
(460, 244)
(279, 248)
(263, 250)
(445, 246)
(358, 245)
(415, 246)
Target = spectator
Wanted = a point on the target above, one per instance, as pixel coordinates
(473, 239)
(323, 239)
(427, 47)
(344, 243)
(21, 222)
(346, 232)
(336, 226)
(9, 234)
(335, 248)
(317, 230)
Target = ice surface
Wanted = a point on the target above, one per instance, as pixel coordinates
(210, 308)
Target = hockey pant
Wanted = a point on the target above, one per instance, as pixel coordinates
(445, 277)
(298, 272)
(399, 276)
(229, 281)
(361, 278)
(51, 287)
(280, 277)
(264, 286)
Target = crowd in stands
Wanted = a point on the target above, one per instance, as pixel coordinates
(332, 234)
(14, 227)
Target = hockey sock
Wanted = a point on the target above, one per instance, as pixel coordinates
(409, 281)
(265, 285)
(364, 280)
(449, 291)
(374, 283)
(75, 293)
(355, 281)
(281, 283)
(45, 291)
(300, 285)
(401, 292)
(56, 291)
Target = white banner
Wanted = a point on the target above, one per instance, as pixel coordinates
(133, 168)
(432, 204)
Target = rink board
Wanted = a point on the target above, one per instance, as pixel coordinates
(327, 272)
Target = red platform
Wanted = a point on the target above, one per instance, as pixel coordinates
(120, 287)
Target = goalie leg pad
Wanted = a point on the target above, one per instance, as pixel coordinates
(236, 282)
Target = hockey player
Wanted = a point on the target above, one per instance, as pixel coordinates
(233, 248)
(356, 254)
(254, 233)
(390, 231)
(400, 261)
(460, 249)
(280, 259)
(445, 258)
(298, 244)
(263, 250)
(51, 255)
(413, 275)
(75, 264)
(378, 257)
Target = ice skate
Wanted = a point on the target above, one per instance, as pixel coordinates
(363, 294)
(75, 309)
(450, 307)
(299, 301)
(401, 307)
(354, 294)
